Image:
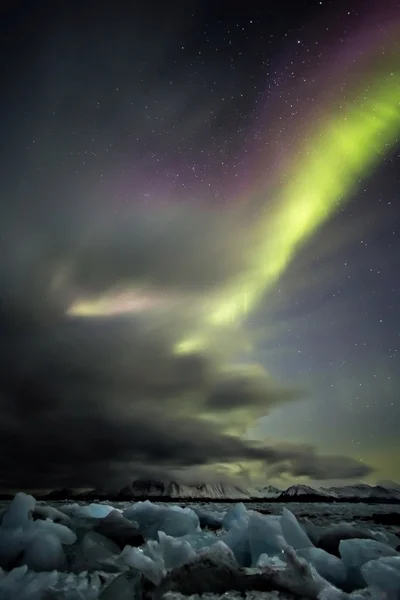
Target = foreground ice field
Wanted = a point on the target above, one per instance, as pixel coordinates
(154, 551)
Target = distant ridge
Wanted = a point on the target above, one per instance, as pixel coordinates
(305, 493)
(363, 491)
(213, 491)
(172, 491)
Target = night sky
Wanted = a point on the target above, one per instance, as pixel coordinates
(199, 242)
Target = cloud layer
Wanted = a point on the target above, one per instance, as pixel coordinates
(98, 401)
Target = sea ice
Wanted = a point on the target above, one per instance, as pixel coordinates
(44, 553)
(173, 520)
(97, 547)
(200, 540)
(234, 515)
(331, 536)
(328, 566)
(153, 569)
(356, 553)
(386, 538)
(365, 594)
(19, 513)
(155, 557)
(22, 584)
(209, 519)
(181, 558)
(63, 533)
(19, 533)
(126, 586)
(119, 529)
(97, 511)
(383, 573)
(212, 570)
(12, 544)
(237, 539)
(293, 533)
(264, 535)
(264, 560)
(49, 512)
(312, 530)
(175, 552)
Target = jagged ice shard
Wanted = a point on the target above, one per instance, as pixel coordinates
(41, 559)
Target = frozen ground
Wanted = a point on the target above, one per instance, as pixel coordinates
(151, 551)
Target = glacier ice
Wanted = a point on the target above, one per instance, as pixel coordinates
(97, 547)
(97, 511)
(331, 537)
(234, 515)
(175, 552)
(386, 537)
(328, 566)
(93, 510)
(126, 586)
(155, 557)
(209, 519)
(152, 569)
(119, 529)
(152, 518)
(250, 534)
(19, 533)
(237, 539)
(383, 573)
(293, 533)
(98, 552)
(44, 553)
(355, 553)
(20, 511)
(22, 584)
(200, 540)
(265, 560)
(49, 512)
(63, 533)
(312, 530)
(265, 536)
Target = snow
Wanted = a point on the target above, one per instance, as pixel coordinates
(365, 492)
(153, 551)
(268, 491)
(305, 490)
(143, 489)
(173, 489)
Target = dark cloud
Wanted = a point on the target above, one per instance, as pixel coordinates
(96, 402)
(248, 387)
(305, 462)
(196, 248)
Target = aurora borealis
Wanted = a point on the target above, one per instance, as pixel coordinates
(343, 147)
(199, 268)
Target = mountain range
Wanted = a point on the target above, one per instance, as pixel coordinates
(166, 491)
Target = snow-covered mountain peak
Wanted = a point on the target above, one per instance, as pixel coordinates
(305, 490)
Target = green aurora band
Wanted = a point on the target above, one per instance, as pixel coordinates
(339, 152)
